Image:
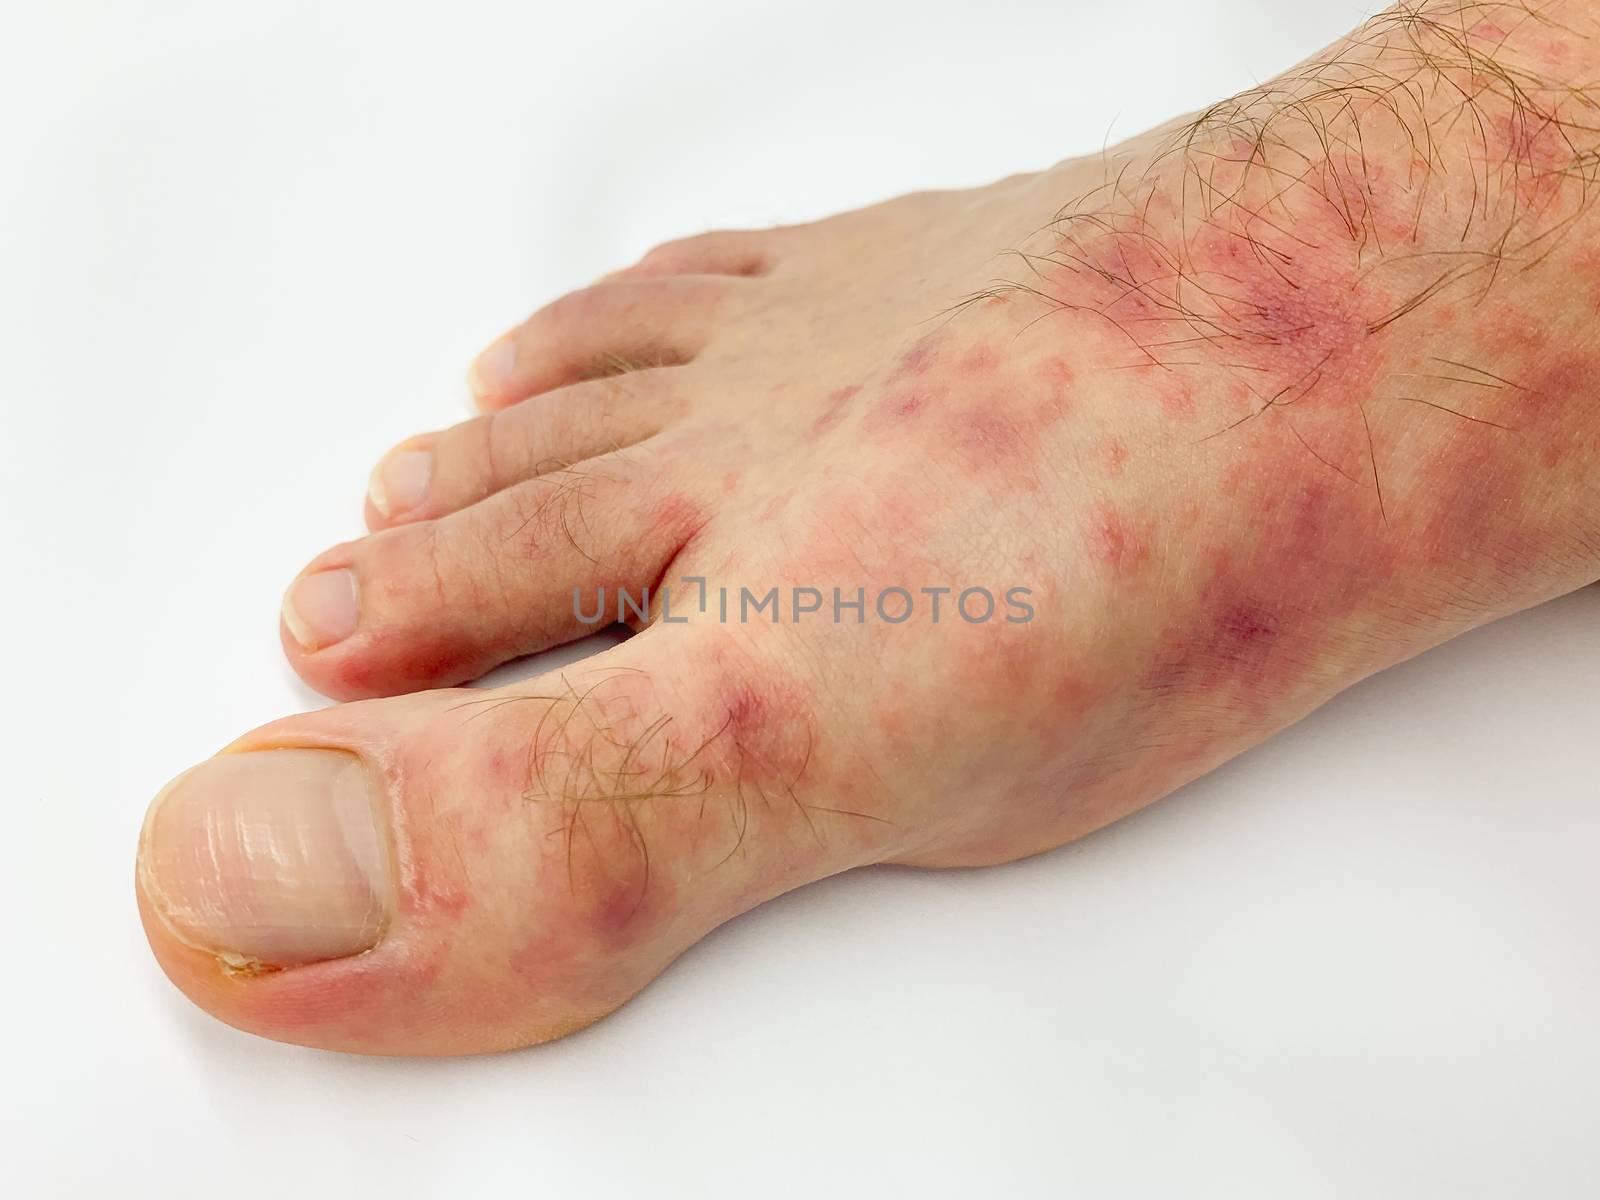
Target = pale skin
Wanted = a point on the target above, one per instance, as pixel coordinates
(1254, 406)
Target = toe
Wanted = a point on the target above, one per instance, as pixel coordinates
(436, 474)
(434, 603)
(615, 326)
(721, 252)
(455, 872)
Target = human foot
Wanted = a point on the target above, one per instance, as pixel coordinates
(1283, 395)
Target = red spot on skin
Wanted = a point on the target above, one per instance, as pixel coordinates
(1264, 612)
(1177, 399)
(751, 719)
(619, 910)
(979, 359)
(1114, 543)
(838, 402)
(1586, 262)
(1234, 478)
(986, 441)
(1586, 267)
(1246, 623)
(1005, 421)
(894, 410)
(1114, 455)
(1485, 494)
(604, 897)
(1057, 378)
(999, 666)
(1072, 698)
(1228, 650)
(730, 481)
(915, 362)
(449, 902)
(910, 405)
(746, 714)
(675, 514)
(864, 529)
(1563, 381)
(994, 661)
(1057, 371)
(892, 721)
(1509, 335)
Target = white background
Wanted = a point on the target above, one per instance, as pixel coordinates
(244, 248)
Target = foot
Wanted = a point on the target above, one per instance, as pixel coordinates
(1117, 469)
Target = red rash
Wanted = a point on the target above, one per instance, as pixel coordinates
(979, 359)
(1004, 408)
(1285, 319)
(1265, 612)
(1056, 378)
(986, 440)
(756, 723)
(746, 715)
(1322, 544)
(896, 409)
(916, 362)
(426, 892)
(833, 411)
(1114, 543)
(1114, 456)
(909, 406)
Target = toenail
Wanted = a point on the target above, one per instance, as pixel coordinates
(321, 609)
(270, 858)
(400, 483)
(492, 371)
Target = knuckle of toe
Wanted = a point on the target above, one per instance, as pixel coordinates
(670, 250)
(613, 796)
(494, 452)
(576, 309)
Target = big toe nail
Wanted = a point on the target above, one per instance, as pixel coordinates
(270, 858)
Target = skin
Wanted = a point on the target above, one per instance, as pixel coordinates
(1254, 406)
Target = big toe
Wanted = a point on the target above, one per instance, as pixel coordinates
(454, 872)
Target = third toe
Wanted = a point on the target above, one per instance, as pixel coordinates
(440, 473)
